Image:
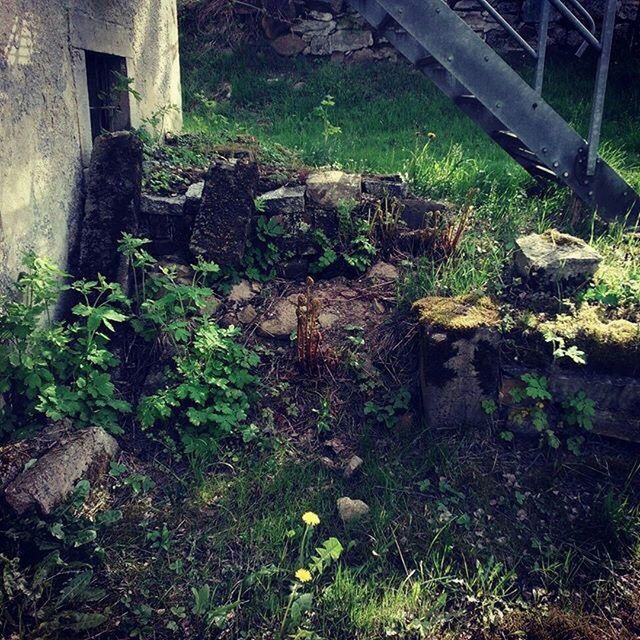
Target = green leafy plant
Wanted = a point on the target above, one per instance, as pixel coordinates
(327, 255)
(322, 112)
(579, 411)
(355, 241)
(153, 125)
(561, 350)
(387, 414)
(59, 369)
(265, 253)
(53, 594)
(355, 237)
(204, 397)
(208, 385)
(536, 393)
(536, 402)
(324, 416)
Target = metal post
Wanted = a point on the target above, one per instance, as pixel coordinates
(543, 32)
(597, 105)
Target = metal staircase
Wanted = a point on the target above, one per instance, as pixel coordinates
(443, 47)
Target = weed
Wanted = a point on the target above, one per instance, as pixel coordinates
(60, 369)
(355, 237)
(535, 401)
(301, 601)
(210, 374)
(387, 414)
(55, 592)
(308, 330)
(264, 253)
(324, 420)
(322, 113)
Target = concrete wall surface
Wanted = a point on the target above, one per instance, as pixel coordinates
(45, 133)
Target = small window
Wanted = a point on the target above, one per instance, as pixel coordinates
(108, 95)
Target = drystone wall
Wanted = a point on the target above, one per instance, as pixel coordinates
(45, 131)
(330, 28)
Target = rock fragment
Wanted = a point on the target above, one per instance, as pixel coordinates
(351, 511)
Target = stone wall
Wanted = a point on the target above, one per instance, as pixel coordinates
(330, 28)
(44, 112)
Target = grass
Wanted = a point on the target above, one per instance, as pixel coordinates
(466, 537)
(386, 111)
(463, 534)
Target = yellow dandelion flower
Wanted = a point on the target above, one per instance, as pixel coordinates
(303, 575)
(311, 519)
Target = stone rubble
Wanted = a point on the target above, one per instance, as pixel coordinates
(351, 511)
(555, 257)
(83, 455)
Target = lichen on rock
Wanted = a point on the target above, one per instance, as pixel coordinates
(460, 314)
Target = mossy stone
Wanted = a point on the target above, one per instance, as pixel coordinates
(462, 314)
(612, 344)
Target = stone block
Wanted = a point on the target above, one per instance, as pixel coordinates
(222, 224)
(287, 201)
(289, 44)
(350, 40)
(112, 205)
(193, 200)
(616, 399)
(317, 27)
(360, 56)
(165, 223)
(324, 16)
(611, 346)
(383, 186)
(152, 205)
(383, 272)
(420, 214)
(351, 511)
(553, 257)
(458, 359)
(282, 319)
(327, 189)
(296, 269)
(53, 478)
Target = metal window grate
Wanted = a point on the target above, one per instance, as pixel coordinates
(108, 100)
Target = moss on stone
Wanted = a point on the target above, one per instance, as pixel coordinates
(614, 344)
(460, 314)
(563, 239)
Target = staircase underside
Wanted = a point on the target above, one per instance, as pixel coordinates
(445, 49)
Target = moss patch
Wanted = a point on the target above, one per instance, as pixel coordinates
(563, 239)
(614, 344)
(460, 314)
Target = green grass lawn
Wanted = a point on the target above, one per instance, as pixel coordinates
(386, 110)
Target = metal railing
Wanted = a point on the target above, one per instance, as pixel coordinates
(588, 34)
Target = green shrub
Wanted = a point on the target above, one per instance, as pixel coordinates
(205, 393)
(56, 369)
